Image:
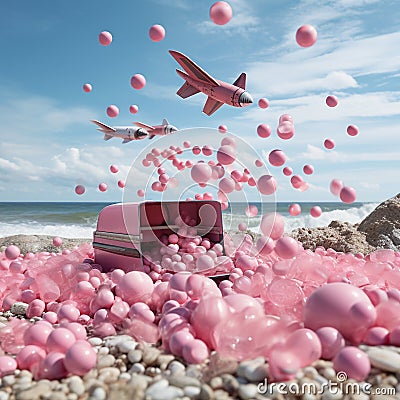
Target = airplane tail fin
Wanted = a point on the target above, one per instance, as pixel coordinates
(107, 137)
(241, 81)
(185, 91)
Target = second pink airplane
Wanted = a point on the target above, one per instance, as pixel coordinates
(218, 92)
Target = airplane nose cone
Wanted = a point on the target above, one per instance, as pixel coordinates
(140, 133)
(173, 128)
(245, 99)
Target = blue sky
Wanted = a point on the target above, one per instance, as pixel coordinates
(50, 49)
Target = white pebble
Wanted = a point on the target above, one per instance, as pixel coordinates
(4, 395)
(161, 391)
(248, 391)
(135, 356)
(19, 308)
(98, 394)
(137, 368)
(126, 347)
(336, 395)
(76, 385)
(385, 360)
(109, 374)
(106, 361)
(8, 380)
(176, 368)
(191, 391)
(125, 376)
(95, 341)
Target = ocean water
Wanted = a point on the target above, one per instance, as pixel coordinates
(78, 220)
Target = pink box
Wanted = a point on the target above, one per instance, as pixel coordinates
(129, 233)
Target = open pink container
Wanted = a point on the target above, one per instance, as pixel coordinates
(129, 233)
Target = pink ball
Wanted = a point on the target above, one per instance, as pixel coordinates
(264, 130)
(308, 169)
(229, 141)
(201, 172)
(221, 13)
(186, 144)
(331, 101)
(87, 87)
(135, 286)
(294, 209)
(226, 155)
(287, 171)
(133, 109)
(60, 340)
(68, 312)
(80, 358)
(329, 144)
(140, 192)
(376, 336)
(285, 130)
(37, 334)
(287, 247)
(103, 187)
(265, 245)
(12, 252)
(204, 263)
(114, 169)
(7, 366)
(195, 352)
(79, 189)
(306, 36)
(353, 362)
(285, 117)
(57, 241)
(242, 227)
(121, 184)
(263, 103)
(157, 33)
(223, 129)
(227, 185)
(272, 225)
(277, 158)
(315, 211)
(331, 340)
(178, 340)
(336, 186)
(77, 329)
(105, 38)
(138, 81)
(267, 184)
(258, 163)
(29, 356)
(352, 130)
(112, 111)
(348, 195)
(251, 210)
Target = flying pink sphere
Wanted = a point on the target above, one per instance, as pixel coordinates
(329, 144)
(251, 210)
(308, 169)
(258, 163)
(263, 103)
(277, 158)
(285, 130)
(112, 111)
(121, 184)
(157, 33)
(220, 13)
(227, 185)
(272, 225)
(57, 241)
(140, 193)
(114, 169)
(267, 184)
(331, 101)
(306, 36)
(348, 195)
(87, 87)
(12, 252)
(138, 81)
(294, 209)
(336, 186)
(226, 155)
(103, 187)
(133, 109)
(263, 130)
(105, 38)
(201, 172)
(223, 129)
(287, 171)
(352, 130)
(79, 189)
(315, 211)
(286, 247)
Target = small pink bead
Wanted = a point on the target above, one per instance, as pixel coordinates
(80, 358)
(7, 366)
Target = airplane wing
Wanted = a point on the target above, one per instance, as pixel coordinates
(186, 90)
(104, 127)
(151, 136)
(107, 137)
(192, 68)
(126, 141)
(241, 81)
(211, 106)
(144, 126)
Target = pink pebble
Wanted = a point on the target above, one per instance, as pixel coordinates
(135, 286)
(263, 103)
(112, 111)
(353, 362)
(306, 36)
(87, 87)
(331, 101)
(352, 130)
(308, 169)
(220, 13)
(331, 341)
(30, 355)
(348, 195)
(57, 241)
(105, 38)
(287, 171)
(80, 358)
(68, 312)
(133, 109)
(7, 366)
(336, 186)
(277, 158)
(157, 33)
(376, 336)
(195, 351)
(178, 340)
(121, 184)
(61, 339)
(329, 144)
(287, 247)
(267, 184)
(114, 169)
(315, 211)
(294, 209)
(138, 81)
(265, 245)
(263, 131)
(394, 336)
(37, 335)
(12, 252)
(35, 308)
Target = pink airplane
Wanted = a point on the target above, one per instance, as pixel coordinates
(157, 130)
(218, 92)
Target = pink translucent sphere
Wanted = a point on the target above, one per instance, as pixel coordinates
(285, 117)
(220, 13)
(227, 185)
(336, 186)
(329, 144)
(287, 171)
(263, 103)
(80, 358)
(30, 355)
(226, 155)
(251, 210)
(140, 192)
(308, 169)
(12, 252)
(87, 87)
(353, 362)
(285, 130)
(201, 172)
(242, 227)
(105, 38)
(277, 158)
(331, 101)
(7, 366)
(287, 247)
(121, 184)
(138, 81)
(267, 184)
(265, 245)
(157, 33)
(114, 169)
(294, 209)
(352, 130)
(272, 225)
(223, 129)
(263, 130)
(135, 286)
(57, 241)
(133, 109)
(331, 340)
(348, 195)
(315, 211)
(79, 189)
(112, 111)
(306, 36)
(103, 187)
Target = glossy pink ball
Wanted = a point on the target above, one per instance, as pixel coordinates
(352, 130)
(114, 168)
(157, 33)
(376, 336)
(138, 81)
(220, 13)
(287, 171)
(61, 339)
(37, 334)
(272, 225)
(306, 36)
(294, 209)
(267, 184)
(277, 158)
(121, 184)
(12, 252)
(287, 247)
(135, 286)
(87, 87)
(201, 172)
(223, 129)
(7, 366)
(103, 187)
(336, 186)
(79, 189)
(353, 362)
(52, 367)
(29, 356)
(112, 111)
(77, 329)
(195, 352)
(263, 103)
(68, 312)
(178, 340)
(133, 109)
(308, 169)
(315, 211)
(331, 101)
(265, 245)
(57, 241)
(347, 195)
(226, 155)
(264, 131)
(80, 358)
(329, 144)
(105, 38)
(331, 340)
